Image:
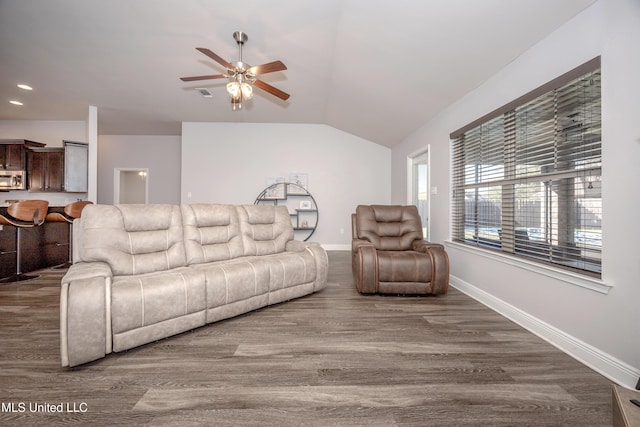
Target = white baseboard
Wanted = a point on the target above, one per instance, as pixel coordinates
(601, 362)
(336, 247)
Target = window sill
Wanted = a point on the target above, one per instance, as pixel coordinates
(555, 273)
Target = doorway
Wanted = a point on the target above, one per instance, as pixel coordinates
(130, 186)
(418, 183)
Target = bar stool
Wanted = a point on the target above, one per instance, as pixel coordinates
(23, 214)
(71, 212)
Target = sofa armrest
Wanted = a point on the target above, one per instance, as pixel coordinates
(86, 270)
(85, 323)
(320, 256)
(439, 262)
(322, 264)
(295, 246)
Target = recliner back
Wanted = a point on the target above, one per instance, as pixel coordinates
(132, 239)
(223, 232)
(138, 239)
(388, 228)
(265, 229)
(211, 233)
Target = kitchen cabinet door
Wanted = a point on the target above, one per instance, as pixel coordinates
(46, 170)
(12, 157)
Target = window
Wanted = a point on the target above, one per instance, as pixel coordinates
(527, 177)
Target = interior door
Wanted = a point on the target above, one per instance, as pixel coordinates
(419, 183)
(131, 186)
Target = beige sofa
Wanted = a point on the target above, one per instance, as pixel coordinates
(146, 272)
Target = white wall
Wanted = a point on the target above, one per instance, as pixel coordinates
(600, 329)
(159, 154)
(230, 162)
(52, 133)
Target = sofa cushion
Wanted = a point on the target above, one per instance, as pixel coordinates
(147, 299)
(291, 269)
(265, 229)
(236, 280)
(133, 239)
(211, 233)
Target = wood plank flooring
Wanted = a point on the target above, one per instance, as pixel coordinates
(335, 358)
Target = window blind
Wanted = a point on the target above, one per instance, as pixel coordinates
(527, 178)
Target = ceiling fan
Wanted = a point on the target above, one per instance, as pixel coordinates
(242, 76)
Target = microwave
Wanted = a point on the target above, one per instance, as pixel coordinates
(13, 180)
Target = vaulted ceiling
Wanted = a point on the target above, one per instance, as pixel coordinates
(375, 69)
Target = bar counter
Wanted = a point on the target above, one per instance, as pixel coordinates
(42, 247)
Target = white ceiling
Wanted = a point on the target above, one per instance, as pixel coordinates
(375, 69)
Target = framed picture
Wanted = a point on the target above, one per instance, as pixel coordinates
(275, 191)
(298, 183)
(305, 205)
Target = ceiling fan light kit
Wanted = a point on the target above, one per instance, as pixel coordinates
(242, 76)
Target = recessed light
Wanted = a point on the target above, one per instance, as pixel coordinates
(25, 87)
(16, 102)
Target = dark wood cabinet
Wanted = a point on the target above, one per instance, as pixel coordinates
(13, 153)
(7, 251)
(12, 157)
(41, 247)
(45, 169)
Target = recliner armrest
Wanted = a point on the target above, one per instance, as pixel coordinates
(357, 243)
(423, 245)
(440, 264)
(85, 313)
(365, 266)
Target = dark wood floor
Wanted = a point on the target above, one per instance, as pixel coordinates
(334, 358)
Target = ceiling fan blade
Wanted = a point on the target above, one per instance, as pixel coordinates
(194, 78)
(215, 57)
(267, 68)
(270, 89)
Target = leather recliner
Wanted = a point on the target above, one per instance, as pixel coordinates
(389, 255)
